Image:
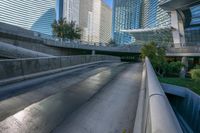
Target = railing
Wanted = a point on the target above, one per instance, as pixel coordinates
(154, 114)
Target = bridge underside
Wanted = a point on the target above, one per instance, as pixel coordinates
(159, 35)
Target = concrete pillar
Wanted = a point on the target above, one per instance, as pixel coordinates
(93, 52)
(178, 31)
(185, 68)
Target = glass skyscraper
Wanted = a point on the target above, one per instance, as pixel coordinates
(144, 15)
(153, 16)
(126, 15)
(136, 14)
(192, 32)
(35, 15)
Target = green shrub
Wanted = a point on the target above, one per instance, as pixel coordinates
(197, 67)
(124, 131)
(195, 74)
(173, 68)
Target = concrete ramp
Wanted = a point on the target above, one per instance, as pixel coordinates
(104, 102)
(47, 114)
(11, 51)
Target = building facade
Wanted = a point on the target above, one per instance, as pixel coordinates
(136, 14)
(125, 16)
(106, 23)
(35, 15)
(192, 32)
(139, 21)
(95, 21)
(71, 10)
(85, 19)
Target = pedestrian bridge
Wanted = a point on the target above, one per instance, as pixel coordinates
(91, 94)
(20, 43)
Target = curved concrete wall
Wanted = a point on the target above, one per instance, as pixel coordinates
(12, 68)
(11, 51)
(159, 116)
(186, 104)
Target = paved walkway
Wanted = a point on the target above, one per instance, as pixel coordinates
(112, 110)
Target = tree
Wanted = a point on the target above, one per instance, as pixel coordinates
(156, 56)
(112, 42)
(63, 30)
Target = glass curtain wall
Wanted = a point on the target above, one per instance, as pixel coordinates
(35, 15)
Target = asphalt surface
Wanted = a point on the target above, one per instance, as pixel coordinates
(112, 110)
(95, 99)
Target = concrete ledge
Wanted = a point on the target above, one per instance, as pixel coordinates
(21, 69)
(160, 116)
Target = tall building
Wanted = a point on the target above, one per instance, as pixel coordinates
(71, 10)
(192, 32)
(85, 21)
(106, 23)
(162, 21)
(95, 21)
(126, 15)
(136, 14)
(35, 15)
(154, 15)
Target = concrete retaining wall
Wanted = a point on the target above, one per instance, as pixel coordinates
(19, 67)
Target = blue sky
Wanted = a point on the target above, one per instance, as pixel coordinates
(109, 2)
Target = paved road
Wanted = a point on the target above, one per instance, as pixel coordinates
(112, 110)
(95, 99)
(17, 96)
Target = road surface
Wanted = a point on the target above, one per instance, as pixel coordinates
(93, 99)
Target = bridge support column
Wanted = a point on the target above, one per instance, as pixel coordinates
(178, 31)
(185, 68)
(93, 52)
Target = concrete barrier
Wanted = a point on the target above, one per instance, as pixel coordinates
(161, 118)
(157, 114)
(12, 68)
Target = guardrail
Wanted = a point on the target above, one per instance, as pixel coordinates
(154, 114)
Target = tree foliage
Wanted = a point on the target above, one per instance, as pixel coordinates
(159, 61)
(173, 68)
(195, 74)
(156, 56)
(62, 29)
